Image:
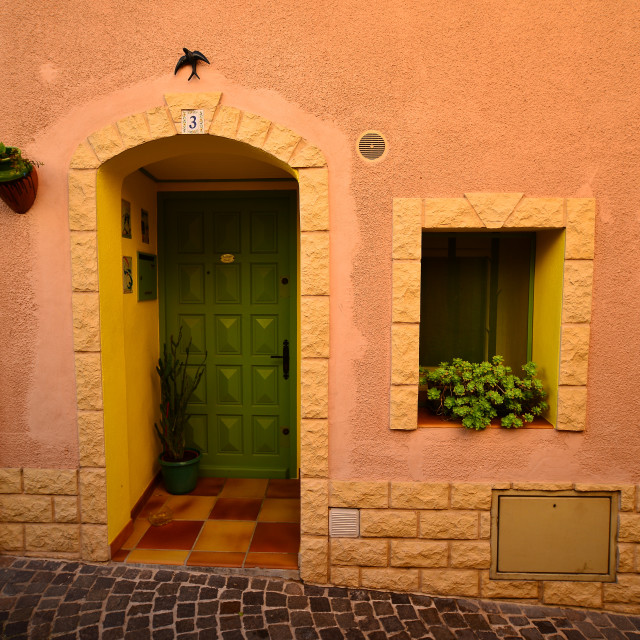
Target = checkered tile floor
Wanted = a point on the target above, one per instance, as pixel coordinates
(225, 522)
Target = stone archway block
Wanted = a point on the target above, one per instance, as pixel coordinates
(314, 326)
(314, 199)
(314, 381)
(253, 129)
(314, 263)
(581, 217)
(95, 543)
(407, 228)
(84, 158)
(281, 142)
(307, 156)
(225, 122)
(82, 200)
(449, 213)
(91, 438)
(572, 408)
(160, 124)
(84, 261)
(134, 130)
(205, 101)
(536, 213)
(88, 381)
(314, 447)
(106, 143)
(86, 321)
(493, 208)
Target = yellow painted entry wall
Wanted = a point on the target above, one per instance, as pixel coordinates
(141, 343)
(547, 313)
(130, 347)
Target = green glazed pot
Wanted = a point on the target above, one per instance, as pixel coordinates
(181, 477)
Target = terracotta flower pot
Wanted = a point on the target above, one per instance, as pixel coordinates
(20, 194)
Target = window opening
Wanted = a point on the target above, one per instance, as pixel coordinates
(477, 297)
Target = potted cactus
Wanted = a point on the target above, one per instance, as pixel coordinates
(179, 464)
(18, 179)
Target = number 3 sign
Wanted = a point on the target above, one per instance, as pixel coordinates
(192, 121)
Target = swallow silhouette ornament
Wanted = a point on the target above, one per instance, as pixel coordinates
(190, 57)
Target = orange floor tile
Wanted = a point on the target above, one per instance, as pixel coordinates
(179, 534)
(237, 508)
(244, 488)
(190, 507)
(276, 537)
(233, 522)
(225, 535)
(272, 560)
(280, 510)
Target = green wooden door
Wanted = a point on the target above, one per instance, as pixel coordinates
(229, 276)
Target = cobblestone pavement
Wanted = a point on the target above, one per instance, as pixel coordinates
(61, 599)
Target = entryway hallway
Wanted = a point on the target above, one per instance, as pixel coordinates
(224, 522)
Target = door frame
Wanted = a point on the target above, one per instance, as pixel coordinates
(103, 157)
(293, 232)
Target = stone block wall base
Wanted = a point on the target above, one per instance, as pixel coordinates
(54, 513)
(435, 538)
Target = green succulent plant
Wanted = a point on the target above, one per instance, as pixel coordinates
(12, 165)
(475, 393)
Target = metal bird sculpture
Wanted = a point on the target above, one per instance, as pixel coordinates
(190, 57)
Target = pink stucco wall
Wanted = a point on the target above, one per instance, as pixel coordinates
(471, 95)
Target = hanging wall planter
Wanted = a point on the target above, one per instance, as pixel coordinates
(18, 179)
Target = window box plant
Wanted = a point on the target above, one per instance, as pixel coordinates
(18, 179)
(179, 464)
(476, 393)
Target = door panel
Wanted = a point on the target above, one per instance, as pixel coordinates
(229, 268)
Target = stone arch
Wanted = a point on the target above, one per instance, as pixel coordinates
(307, 163)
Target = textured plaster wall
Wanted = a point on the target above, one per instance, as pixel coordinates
(472, 96)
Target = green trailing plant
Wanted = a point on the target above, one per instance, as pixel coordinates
(176, 389)
(475, 393)
(12, 165)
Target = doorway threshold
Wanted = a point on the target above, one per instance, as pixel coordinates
(243, 525)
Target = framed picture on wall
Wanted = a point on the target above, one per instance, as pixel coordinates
(126, 219)
(127, 274)
(144, 224)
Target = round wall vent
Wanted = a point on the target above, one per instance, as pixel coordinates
(372, 145)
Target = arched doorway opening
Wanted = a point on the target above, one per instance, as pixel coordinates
(119, 402)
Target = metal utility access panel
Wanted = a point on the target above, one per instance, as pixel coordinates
(554, 535)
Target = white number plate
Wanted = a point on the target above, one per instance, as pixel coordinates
(192, 121)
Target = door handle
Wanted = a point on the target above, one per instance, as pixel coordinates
(285, 359)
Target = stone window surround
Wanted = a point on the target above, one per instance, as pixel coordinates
(310, 166)
(496, 211)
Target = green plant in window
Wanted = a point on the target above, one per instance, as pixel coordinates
(475, 393)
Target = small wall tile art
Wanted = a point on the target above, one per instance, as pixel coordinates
(126, 219)
(127, 274)
(144, 224)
